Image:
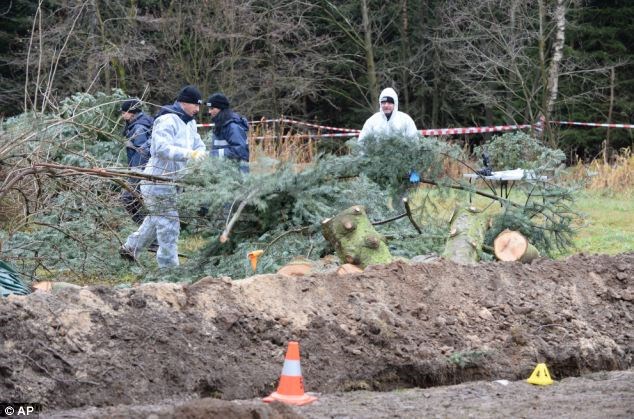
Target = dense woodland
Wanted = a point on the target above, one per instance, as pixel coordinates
(454, 62)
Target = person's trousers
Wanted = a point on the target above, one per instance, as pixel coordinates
(161, 223)
(133, 206)
(133, 201)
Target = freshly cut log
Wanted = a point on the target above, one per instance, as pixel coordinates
(511, 245)
(466, 236)
(354, 238)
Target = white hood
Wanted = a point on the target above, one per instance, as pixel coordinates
(389, 92)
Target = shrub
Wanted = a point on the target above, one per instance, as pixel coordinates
(514, 150)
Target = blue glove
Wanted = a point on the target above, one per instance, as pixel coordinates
(414, 176)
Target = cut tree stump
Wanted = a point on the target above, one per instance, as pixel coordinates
(466, 236)
(511, 246)
(354, 238)
(296, 267)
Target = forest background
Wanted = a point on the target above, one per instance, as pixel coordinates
(453, 62)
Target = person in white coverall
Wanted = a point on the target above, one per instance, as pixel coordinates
(174, 142)
(389, 120)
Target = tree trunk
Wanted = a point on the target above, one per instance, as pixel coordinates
(551, 82)
(355, 239)
(404, 89)
(466, 236)
(435, 104)
(369, 55)
(606, 144)
(511, 246)
(558, 54)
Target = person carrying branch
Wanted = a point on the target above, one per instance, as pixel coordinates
(137, 131)
(175, 141)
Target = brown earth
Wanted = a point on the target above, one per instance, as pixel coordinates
(390, 327)
(596, 395)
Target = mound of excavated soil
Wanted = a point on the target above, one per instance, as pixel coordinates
(392, 326)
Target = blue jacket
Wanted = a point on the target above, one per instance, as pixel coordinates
(230, 139)
(138, 132)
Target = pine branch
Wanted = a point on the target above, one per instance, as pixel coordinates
(466, 189)
(286, 233)
(61, 170)
(407, 213)
(101, 172)
(224, 237)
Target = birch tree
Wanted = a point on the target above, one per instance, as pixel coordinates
(557, 55)
(552, 78)
(506, 55)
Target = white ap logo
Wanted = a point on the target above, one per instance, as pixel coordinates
(21, 411)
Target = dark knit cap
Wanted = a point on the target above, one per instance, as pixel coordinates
(131, 105)
(190, 94)
(218, 100)
(387, 99)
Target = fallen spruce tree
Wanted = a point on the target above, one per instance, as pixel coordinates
(74, 223)
(284, 211)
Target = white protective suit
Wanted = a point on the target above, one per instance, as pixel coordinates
(399, 122)
(173, 141)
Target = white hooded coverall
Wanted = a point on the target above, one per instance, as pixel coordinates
(399, 122)
(172, 144)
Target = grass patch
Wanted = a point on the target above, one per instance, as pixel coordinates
(607, 226)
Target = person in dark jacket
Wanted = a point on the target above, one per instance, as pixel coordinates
(229, 135)
(137, 131)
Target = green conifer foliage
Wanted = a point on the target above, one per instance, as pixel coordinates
(286, 205)
(75, 223)
(602, 36)
(514, 150)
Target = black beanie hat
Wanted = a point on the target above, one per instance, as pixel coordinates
(189, 94)
(131, 105)
(218, 100)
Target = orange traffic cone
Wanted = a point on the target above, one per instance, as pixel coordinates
(253, 258)
(291, 387)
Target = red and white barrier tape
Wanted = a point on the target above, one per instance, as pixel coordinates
(322, 127)
(293, 122)
(594, 124)
(427, 132)
(471, 130)
(269, 137)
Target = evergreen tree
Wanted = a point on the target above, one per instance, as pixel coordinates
(602, 35)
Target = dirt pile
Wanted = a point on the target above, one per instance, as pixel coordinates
(392, 326)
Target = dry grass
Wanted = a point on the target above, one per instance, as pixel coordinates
(281, 142)
(606, 178)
